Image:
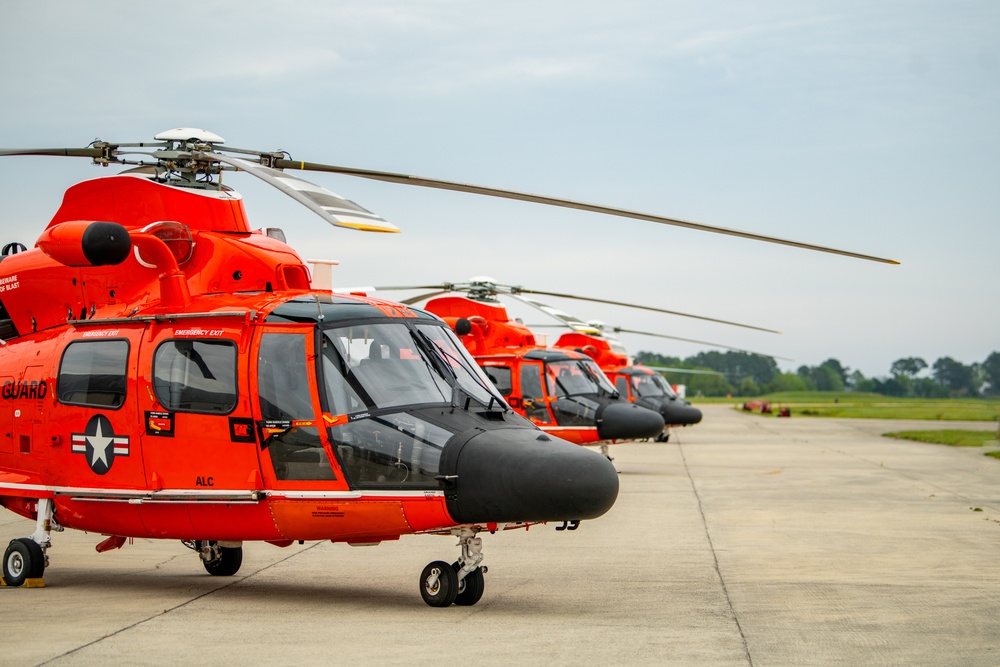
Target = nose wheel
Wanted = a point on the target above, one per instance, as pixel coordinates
(221, 559)
(439, 584)
(462, 582)
(471, 587)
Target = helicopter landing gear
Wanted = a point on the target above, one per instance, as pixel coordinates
(606, 452)
(25, 560)
(439, 584)
(221, 559)
(462, 582)
(22, 561)
(664, 436)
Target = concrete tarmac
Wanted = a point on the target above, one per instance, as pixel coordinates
(743, 541)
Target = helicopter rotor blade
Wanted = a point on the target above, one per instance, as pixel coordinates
(443, 288)
(58, 152)
(344, 213)
(650, 308)
(699, 342)
(487, 285)
(331, 207)
(566, 318)
(690, 371)
(658, 335)
(446, 287)
(406, 179)
(417, 299)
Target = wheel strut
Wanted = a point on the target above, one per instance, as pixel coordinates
(472, 551)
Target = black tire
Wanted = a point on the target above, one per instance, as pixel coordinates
(445, 589)
(227, 564)
(23, 560)
(663, 437)
(470, 589)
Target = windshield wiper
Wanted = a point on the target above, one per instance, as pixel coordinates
(437, 363)
(592, 374)
(442, 358)
(340, 363)
(434, 352)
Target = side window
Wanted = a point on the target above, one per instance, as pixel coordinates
(500, 377)
(531, 381)
(621, 384)
(283, 384)
(283, 378)
(93, 373)
(533, 395)
(196, 376)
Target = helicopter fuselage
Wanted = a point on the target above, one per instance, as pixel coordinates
(643, 386)
(186, 382)
(563, 392)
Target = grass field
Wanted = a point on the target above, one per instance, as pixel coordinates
(873, 406)
(953, 438)
(950, 437)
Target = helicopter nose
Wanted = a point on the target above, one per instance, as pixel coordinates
(522, 475)
(678, 413)
(622, 420)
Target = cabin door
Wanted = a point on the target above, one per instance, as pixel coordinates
(293, 449)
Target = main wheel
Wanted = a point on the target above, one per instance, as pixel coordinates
(439, 584)
(470, 589)
(227, 564)
(24, 559)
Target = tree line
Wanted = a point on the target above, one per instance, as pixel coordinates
(746, 374)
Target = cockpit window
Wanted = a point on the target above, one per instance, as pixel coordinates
(644, 386)
(621, 384)
(572, 377)
(651, 386)
(382, 374)
(500, 376)
(598, 376)
(295, 449)
(282, 376)
(392, 451)
(468, 374)
(378, 366)
(386, 365)
(664, 385)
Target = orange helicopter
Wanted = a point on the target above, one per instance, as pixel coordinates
(563, 392)
(641, 384)
(500, 345)
(168, 372)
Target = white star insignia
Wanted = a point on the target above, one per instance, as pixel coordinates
(100, 443)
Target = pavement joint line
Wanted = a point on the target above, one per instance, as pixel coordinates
(229, 584)
(715, 559)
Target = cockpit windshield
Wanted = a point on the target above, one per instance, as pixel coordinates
(573, 377)
(383, 376)
(392, 364)
(665, 386)
(651, 386)
(470, 377)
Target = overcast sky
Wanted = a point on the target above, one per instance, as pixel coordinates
(868, 126)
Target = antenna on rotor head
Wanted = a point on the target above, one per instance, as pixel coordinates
(190, 135)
